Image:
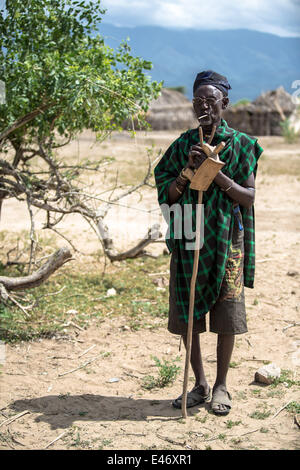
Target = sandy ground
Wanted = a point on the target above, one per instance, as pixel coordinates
(103, 405)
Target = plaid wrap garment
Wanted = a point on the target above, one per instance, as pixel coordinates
(240, 155)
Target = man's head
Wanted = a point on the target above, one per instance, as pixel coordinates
(210, 97)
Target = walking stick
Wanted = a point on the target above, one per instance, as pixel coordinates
(200, 181)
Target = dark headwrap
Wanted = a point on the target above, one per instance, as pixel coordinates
(208, 77)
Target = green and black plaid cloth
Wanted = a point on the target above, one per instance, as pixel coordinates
(240, 155)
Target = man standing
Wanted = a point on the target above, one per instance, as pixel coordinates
(227, 257)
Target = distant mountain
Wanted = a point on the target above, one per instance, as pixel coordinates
(253, 62)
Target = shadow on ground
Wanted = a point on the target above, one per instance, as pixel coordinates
(60, 411)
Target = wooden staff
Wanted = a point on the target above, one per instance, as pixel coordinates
(191, 305)
(201, 180)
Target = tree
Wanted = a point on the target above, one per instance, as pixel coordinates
(60, 79)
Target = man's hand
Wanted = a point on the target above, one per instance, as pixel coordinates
(196, 157)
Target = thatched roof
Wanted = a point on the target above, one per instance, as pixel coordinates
(171, 110)
(276, 100)
(264, 115)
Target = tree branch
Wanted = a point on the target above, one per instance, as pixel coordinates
(138, 250)
(58, 258)
(22, 121)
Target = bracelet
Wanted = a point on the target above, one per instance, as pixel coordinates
(180, 184)
(187, 174)
(227, 189)
(177, 189)
(181, 180)
(182, 175)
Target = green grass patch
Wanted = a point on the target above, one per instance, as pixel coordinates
(260, 414)
(81, 296)
(285, 378)
(230, 424)
(293, 407)
(167, 373)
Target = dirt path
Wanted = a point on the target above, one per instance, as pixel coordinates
(103, 405)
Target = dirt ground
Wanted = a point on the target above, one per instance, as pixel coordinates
(102, 404)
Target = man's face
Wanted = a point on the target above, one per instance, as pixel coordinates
(209, 101)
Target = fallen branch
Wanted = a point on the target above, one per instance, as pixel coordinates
(4, 295)
(10, 420)
(279, 411)
(291, 325)
(58, 258)
(82, 366)
(87, 350)
(56, 439)
(171, 441)
(272, 417)
(73, 324)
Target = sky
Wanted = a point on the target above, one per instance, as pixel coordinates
(280, 17)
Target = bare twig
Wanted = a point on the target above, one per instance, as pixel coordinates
(82, 366)
(63, 236)
(75, 325)
(291, 325)
(10, 420)
(32, 234)
(14, 439)
(282, 408)
(258, 428)
(56, 439)
(87, 350)
(171, 441)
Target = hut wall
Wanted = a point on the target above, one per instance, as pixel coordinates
(254, 121)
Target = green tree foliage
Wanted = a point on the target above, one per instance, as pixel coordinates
(55, 63)
(60, 78)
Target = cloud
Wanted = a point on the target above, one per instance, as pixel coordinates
(280, 17)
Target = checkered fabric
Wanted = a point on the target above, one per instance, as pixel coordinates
(240, 155)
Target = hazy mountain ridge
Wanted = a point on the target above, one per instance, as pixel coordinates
(252, 61)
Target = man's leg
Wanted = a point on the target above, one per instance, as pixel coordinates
(197, 363)
(224, 352)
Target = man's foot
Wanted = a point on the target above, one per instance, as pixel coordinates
(221, 401)
(195, 397)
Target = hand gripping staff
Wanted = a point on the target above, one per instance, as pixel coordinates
(200, 180)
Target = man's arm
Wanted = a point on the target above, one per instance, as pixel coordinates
(196, 157)
(242, 194)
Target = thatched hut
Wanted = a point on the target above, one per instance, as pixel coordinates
(264, 115)
(171, 110)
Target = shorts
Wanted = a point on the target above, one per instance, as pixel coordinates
(228, 314)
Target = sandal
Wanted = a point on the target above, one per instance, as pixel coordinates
(194, 397)
(221, 397)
